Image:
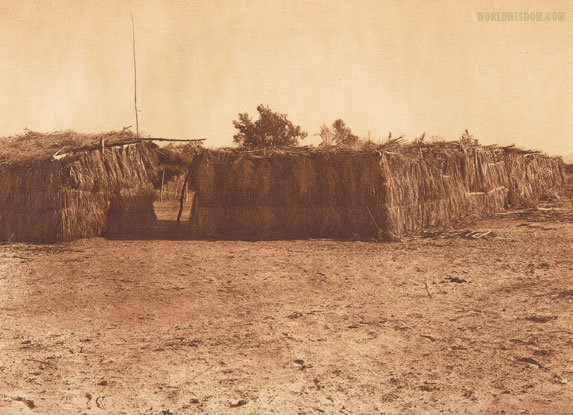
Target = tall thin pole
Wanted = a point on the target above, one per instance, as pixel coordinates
(161, 188)
(183, 193)
(134, 77)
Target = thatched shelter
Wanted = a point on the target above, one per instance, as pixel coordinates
(63, 186)
(381, 191)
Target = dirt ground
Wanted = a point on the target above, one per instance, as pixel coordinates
(452, 324)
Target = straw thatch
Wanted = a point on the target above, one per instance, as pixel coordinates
(387, 191)
(83, 194)
(34, 146)
(61, 186)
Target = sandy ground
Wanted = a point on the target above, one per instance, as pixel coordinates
(449, 325)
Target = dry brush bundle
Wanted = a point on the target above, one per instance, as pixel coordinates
(30, 201)
(304, 182)
(370, 180)
(328, 181)
(241, 185)
(130, 213)
(350, 180)
(300, 221)
(359, 222)
(331, 223)
(258, 222)
(266, 186)
(205, 180)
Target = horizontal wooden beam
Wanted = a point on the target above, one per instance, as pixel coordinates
(120, 142)
(169, 139)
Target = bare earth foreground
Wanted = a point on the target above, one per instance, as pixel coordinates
(474, 324)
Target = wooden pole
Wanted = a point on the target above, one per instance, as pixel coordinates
(169, 139)
(183, 195)
(121, 142)
(161, 188)
(134, 77)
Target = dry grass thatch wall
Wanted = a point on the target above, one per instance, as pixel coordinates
(391, 191)
(83, 195)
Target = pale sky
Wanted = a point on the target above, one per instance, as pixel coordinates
(400, 66)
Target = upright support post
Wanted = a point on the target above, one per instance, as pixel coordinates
(183, 195)
(161, 188)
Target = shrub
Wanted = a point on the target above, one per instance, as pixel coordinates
(272, 129)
